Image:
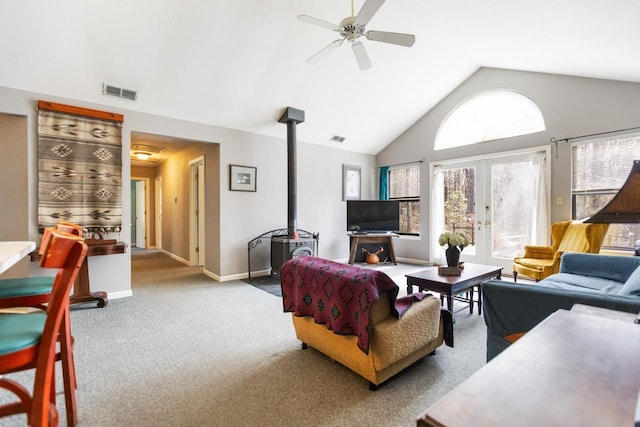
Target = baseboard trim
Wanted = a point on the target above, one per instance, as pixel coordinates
(414, 261)
(177, 258)
(120, 294)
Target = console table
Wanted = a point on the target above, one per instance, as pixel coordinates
(573, 369)
(372, 242)
(81, 288)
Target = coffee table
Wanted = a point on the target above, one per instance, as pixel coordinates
(472, 276)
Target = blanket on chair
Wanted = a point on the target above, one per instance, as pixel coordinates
(337, 295)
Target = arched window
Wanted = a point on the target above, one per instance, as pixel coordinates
(488, 115)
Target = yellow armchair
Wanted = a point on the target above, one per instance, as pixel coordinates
(539, 262)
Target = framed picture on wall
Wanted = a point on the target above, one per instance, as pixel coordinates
(242, 178)
(350, 182)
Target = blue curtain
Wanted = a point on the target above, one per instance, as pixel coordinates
(384, 183)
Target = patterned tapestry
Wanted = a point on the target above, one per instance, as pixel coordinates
(80, 170)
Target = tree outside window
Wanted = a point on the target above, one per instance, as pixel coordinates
(404, 185)
(599, 169)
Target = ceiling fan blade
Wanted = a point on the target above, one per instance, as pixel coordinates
(393, 38)
(320, 22)
(369, 8)
(361, 56)
(324, 52)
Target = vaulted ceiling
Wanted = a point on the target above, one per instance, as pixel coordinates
(239, 63)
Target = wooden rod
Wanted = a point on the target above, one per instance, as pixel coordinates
(78, 111)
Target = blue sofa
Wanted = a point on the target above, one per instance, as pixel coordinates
(511, 309)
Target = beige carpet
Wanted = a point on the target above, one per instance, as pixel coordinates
(188, 351)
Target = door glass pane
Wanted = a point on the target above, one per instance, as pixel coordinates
(460, 203)
(512, 202)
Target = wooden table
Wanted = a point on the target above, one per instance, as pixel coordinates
(472, 276)
(81, 288)
(372, 242)
(573, 369)
(12, 252)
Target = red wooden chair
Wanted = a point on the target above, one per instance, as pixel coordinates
(28, 341)
(35, 292)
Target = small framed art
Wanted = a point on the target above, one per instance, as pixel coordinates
(350, 182)
(242, 178)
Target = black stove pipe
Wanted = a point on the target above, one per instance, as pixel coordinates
(292, 117)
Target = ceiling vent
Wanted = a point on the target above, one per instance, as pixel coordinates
(336, 138)
(119, 92)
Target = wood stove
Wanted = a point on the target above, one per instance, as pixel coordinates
(284, 248)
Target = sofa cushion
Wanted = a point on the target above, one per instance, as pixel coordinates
(394, 339)
(535, 263)
(617, 268)
(632, 285)
(578, 282)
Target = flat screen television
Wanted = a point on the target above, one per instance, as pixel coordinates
(373, 216)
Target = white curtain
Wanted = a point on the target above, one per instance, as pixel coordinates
(540, 227)
(437, 214)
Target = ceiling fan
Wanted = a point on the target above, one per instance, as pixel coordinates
(352, 28)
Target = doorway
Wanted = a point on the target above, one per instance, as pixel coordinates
(158, 210)
(500, 203)
(139, 211)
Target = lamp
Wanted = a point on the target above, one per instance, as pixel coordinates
(142, 155)
(624, 208)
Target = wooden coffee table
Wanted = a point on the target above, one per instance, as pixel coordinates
(472, 276)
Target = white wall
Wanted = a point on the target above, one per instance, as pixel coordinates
(320, 207)
(243, 216)
(571, 106)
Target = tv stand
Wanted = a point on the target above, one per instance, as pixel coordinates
(371, 242)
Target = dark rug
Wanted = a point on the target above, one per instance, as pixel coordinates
(268, 283)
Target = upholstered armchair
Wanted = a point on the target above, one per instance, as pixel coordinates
(539, 262)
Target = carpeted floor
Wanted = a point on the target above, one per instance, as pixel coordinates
(188, 351)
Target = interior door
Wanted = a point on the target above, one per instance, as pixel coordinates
(158, 199)
(141, 224)
(197, 214)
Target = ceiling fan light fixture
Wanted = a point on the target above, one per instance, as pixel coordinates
(352, 28)
(142, 155)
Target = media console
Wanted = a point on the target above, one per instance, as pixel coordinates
(371, 242)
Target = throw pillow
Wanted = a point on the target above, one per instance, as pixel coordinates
(632, 285)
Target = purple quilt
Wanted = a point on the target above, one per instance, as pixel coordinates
(339, 296)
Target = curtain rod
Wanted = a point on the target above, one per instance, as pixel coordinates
(402, 164)
(556, 141)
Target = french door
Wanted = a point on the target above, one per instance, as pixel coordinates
(499, 203)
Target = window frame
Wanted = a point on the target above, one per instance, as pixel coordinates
(594, 192)
(484, 113)
(411, 200)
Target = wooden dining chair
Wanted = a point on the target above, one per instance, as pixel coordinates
(36, 292)
(28, 341)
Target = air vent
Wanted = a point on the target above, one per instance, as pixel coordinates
(119, 92)
(336, 138)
